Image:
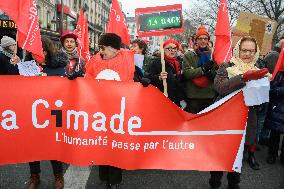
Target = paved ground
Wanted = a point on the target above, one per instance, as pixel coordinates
(269, 177)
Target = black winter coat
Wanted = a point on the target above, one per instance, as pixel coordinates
(174, 81)
(55, 66)
(6, 68)
(275, 114)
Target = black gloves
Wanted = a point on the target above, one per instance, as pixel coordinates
(73, 74)
(145, 81)
(77, 71)
(207, 67)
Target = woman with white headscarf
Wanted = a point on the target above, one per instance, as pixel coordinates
(231, 77)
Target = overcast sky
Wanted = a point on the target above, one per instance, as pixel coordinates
(129, 6)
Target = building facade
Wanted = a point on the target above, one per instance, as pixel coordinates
(132, 29)
(52, 23)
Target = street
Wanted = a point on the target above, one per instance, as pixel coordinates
(269, 177)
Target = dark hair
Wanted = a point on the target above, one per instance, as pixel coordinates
(248, 38)
(156, 53)
(141, 44)
(53, 57)
(49, 48)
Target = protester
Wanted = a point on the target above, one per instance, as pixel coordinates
(272, 57)
(172, 74)
(156, 53)
(199, 73)
(55, 62)
(76, 65)
(140, 47)
(231, 77)
(184, 48)
(190, 42)
(54, 65)
(275, 118)
(8, 56)
(269, 62)
(112, 63)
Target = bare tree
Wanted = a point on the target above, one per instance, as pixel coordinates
(205, 12)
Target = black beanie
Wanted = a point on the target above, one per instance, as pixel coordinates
(110, 39)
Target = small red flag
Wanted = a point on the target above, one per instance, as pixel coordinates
(83, 36)
(280, 63)
(24, 14)
(223, 44)
(117, 23)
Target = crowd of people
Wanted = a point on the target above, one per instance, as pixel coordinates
(194, 82)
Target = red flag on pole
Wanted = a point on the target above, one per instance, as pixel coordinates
(117, 23)
(223, 44)
(24, 14)
(83, 36)
(280, 63)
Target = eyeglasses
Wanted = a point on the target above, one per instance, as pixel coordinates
(171, 49)
(250, 51)
(203, 38)
(101, 47)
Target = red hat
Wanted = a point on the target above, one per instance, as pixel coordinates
(201, 31)
(68, 34)
(171, 41)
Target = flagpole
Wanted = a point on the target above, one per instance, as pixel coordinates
(61, 18)
(163, 65)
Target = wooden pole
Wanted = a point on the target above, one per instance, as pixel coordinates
(163, 65)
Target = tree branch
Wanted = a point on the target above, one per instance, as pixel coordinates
(265, 9)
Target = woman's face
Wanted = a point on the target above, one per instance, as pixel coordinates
(136, 49)
(69, 44)
(247, 51)
(171, 50)
(13, 49)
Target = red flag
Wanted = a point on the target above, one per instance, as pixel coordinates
(24, 14)
(117, 23)
(280, 63)
(83, 37)
(223, 45)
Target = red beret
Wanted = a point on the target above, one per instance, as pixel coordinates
(68, 34)
(171, 41)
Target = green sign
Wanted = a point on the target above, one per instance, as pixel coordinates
(160, 21)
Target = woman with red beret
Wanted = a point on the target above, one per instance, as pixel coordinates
(172, 74)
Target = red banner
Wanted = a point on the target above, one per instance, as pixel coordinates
(24, 14)
(86, 121)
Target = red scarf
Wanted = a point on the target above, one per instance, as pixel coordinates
(174, 63)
